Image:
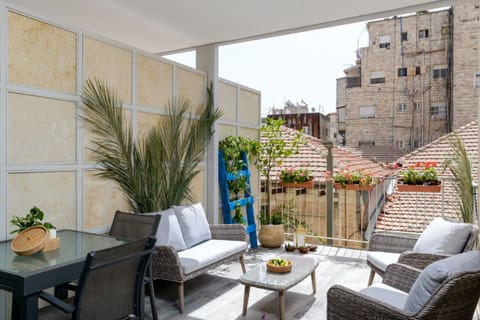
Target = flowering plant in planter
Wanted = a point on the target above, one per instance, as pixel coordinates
(292, 175)
(421, 173)
(344, 177)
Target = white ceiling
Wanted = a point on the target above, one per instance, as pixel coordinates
(161, 26)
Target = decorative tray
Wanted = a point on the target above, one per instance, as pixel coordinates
(33, 240)
(279, 265)
(30, 241)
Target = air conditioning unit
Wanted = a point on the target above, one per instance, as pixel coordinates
(411, 71)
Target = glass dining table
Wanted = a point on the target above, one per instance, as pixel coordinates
(26, 276)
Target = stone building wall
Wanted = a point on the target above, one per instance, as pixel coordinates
(415, 109)
(466, 29)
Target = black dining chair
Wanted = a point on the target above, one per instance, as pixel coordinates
(111, 283)
(133, 227)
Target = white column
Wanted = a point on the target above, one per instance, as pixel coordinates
(207, 60)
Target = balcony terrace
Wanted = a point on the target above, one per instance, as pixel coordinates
(219, 295)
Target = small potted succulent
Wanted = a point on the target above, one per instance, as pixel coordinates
(303, 249)
(289, 246)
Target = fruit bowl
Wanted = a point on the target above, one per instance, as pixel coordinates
(279, 265)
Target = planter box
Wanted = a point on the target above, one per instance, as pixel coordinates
(306, 184)
(418, 188)
(354, 187)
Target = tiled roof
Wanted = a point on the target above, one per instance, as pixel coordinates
(313, 154)
(412, 211)
(378, 153)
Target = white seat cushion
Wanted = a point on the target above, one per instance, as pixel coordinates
(168, 231)
(387, 294)
(382, 259)
(442, 236)
(194, 224)
(208, 252)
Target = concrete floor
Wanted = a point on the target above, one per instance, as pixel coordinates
(219, 295)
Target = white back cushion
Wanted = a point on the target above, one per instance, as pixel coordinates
(169, 232)
(194, 224)
(442, 236)
(431, 278)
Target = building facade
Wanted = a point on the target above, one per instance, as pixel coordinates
(299, 118)
(414, 82)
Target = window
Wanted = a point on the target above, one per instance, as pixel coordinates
(418, 70)
(377, 77)
(439, 72)
(402, 107)
(384, 42)
(366, 112)
(416, 106)
(399, 144)
(353, 82)
(402, 72)
(438, 111)
(341, 114)
(403, 36)
(423, 33)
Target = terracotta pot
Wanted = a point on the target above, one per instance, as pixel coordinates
(418, 188)
(271, 235)
(306, 184)
(356, 187)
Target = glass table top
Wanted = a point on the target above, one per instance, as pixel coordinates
(260, 277)
(74, 245)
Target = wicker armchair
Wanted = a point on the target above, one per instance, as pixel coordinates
(456, 298)
(166, 264)
(398, 248)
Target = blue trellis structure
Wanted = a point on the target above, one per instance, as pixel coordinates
(228, 206)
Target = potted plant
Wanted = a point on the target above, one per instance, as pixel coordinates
(273, 149)
(33, 218)
(299, 178)
(273, 234)
(154, 172)
(232, 147)
(351, 179)
(420, 177)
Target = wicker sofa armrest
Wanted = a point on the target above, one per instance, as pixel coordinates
(344, 303)
(228, 232)
(420, 260)
(391, 242)
(166, 264)
(400, 276)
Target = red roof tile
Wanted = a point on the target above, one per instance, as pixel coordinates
(411, 212)
(312, 156)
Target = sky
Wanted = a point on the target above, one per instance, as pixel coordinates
(302, 66)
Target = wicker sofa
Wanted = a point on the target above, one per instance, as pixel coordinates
(171, 263)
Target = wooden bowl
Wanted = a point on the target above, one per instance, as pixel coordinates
(30, 241)
(279, 269)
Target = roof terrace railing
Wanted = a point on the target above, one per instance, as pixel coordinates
(356, 213)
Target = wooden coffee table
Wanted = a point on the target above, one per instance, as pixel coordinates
(258, 277)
